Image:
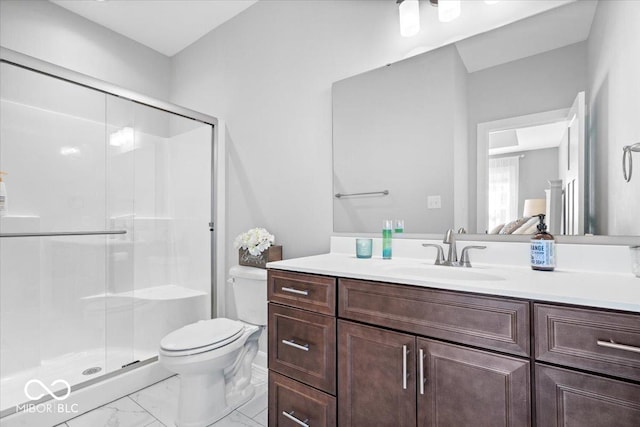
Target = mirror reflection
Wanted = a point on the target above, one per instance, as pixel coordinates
(487, 132)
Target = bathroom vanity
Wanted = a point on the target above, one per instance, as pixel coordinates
(392, 343)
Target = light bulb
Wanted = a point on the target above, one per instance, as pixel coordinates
(448, 10)
(409, 18)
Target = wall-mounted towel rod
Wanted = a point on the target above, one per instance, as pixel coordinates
(64, 233)
(627, 159)
(371, 193)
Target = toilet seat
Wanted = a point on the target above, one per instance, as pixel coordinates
(201, 337)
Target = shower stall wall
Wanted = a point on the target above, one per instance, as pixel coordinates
(106, 242)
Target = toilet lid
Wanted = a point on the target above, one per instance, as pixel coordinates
(205, 333)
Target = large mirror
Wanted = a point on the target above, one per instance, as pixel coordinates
(530, 118)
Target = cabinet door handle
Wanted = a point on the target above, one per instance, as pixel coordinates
(613, 344)
(404, 367)
(296, 291)
(422, 378)
(295, 419)
(292, 343)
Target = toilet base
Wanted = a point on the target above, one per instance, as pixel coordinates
(213, 385)
(215, 412)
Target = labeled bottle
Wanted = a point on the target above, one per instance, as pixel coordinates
(387, 232)
(543, 248)
(4, 202)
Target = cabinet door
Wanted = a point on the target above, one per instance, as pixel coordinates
(574, 399)
(468, 387)
(376, 377)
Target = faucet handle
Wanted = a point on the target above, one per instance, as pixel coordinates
(464, 257)
(440, 254)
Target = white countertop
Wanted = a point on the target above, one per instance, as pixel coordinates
(620, 291)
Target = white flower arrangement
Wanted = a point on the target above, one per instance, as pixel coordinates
(256, 241)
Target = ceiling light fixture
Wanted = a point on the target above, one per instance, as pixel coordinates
(448, 10)
(409, 17)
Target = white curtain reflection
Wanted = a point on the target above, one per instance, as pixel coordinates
(503, 190)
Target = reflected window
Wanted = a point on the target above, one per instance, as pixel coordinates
(503, 190)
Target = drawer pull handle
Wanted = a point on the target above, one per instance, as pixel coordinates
(295, 419)
(612, 344)
(422, 378)
(296, 291)
(404, 367)
(292, 343)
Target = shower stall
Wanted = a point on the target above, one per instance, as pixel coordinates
(106, 242)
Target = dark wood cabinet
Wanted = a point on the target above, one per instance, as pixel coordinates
(306, 291)
(470, 387)
(593, 340)
(377, 381)
(494, 323)
(302, 345)
(575, 399)
(386, 378)
(352, 352)
(292, 403)
(302, 349)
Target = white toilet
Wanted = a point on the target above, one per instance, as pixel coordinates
(213, 357)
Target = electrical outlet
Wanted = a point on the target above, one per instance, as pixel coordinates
(434, 202)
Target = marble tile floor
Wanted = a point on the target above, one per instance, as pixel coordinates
(157, 406)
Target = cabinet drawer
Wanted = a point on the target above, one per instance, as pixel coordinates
(582, 338)
(302, 345)
(494, 323)
(566, 398)
(314, 293)
(290, 401)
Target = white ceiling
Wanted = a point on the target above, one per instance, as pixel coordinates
(527, 138)
(167, 26)
(562, 26)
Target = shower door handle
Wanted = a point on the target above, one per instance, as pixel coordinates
(65, 233)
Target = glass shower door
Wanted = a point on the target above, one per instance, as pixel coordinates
(105, 247)
(54, 259)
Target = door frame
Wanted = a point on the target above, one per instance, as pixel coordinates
(483, 131)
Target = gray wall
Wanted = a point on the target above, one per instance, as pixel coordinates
(268, 72)
(544, 82)
(384, 147)
(614, 102)
(49, 32)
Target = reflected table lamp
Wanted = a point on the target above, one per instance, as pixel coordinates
(533, 207)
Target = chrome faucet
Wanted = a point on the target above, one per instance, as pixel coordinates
(452, 256)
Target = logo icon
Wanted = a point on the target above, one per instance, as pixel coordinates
(47, 389)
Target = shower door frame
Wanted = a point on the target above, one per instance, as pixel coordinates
(218, 162)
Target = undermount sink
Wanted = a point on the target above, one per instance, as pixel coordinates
(440, 272)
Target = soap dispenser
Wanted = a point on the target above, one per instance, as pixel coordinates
(543, 250)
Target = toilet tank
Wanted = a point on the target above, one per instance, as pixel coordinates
(250, 293)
